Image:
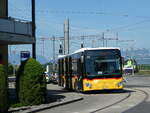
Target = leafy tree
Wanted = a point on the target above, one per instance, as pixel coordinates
(10, 69)
(3, 90)
(31, 83)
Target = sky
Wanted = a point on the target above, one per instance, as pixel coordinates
(129, 18)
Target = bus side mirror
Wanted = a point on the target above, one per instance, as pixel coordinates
(82, 59)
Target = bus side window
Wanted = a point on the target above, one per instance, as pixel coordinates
(74, 66)
(70, 66)
(79, 67)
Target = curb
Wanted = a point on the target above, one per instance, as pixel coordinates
(33, 109)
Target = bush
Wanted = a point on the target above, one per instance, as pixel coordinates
(3, 91)
(10, 69)
(19, 73)
(31, 83)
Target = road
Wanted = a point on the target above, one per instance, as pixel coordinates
(133, 99)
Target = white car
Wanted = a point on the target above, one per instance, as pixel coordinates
(48, 77)
(55, 78)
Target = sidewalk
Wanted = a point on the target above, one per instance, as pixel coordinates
(56, 96)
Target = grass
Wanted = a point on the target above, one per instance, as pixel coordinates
(15, 105)
(143, 72)
(144, 67)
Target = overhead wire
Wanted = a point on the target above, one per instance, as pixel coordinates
(81, 12)
(130, 25)
(92, 13)
(88, 12)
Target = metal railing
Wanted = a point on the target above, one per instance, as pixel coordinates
(17, 26)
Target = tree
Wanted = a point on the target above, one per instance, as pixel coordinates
(3, 90)
(31, 82)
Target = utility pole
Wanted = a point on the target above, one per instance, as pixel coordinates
(82, 41)
(62, 44)
(60, 49)
(53, 39)
(127, 52)
(14, 69)
(82, 45)
(124, 41)
(66, 37)
(106, 42)
(103, 38)
(93, 42)
(100, 37)
(33, 30)
(54, 48)
(117, 39)
(43, 47)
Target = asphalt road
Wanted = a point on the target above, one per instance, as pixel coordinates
(133, 99)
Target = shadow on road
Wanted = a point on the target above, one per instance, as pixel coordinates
(52, 95)
(55, 96)
(12, 96)
(59, 91)
(135, 86)
(109, 91)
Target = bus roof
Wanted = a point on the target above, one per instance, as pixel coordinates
(100, 48)
(61, 56)
(85, 49)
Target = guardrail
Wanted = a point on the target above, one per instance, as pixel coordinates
(17, 26)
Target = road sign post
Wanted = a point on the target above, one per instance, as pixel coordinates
(24, 55)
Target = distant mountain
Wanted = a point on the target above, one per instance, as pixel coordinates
(15, 59)
(42, 59)
(142, 56)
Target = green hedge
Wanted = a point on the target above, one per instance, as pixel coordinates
(31, 83)
(144, 67)
(3, 90)
(18, 81)
(10, 69)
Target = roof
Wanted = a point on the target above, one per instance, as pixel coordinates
(85, 49)
(100, 48)
(61, 56)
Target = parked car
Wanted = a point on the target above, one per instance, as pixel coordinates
(128, 70)
(48, 77)
(55, 78)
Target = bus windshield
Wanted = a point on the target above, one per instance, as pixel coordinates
(103, 65)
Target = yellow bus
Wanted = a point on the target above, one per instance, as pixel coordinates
(90, 69)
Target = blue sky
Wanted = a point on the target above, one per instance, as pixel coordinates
(130, 18)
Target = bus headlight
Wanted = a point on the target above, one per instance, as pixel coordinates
(88, 85)
(120, 84)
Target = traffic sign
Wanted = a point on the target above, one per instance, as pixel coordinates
(24, 55)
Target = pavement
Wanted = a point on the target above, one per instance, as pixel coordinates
(56, 96)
